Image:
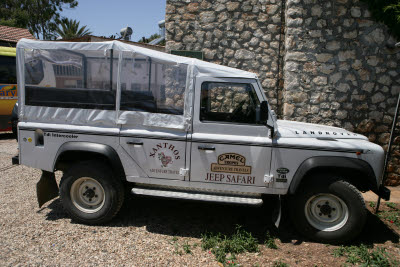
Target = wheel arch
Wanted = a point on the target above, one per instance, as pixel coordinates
(356, 171)
(77, 151)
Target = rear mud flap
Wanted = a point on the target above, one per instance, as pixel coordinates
(46, 188)
(277, 212)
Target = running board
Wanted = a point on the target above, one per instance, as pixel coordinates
(197, 196)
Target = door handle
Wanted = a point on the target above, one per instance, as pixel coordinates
(206, 147)
(137, 143)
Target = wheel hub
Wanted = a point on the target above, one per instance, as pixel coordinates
(326, 209)
(326, 212)
(87, 195)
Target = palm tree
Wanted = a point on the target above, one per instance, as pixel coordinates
(70, 29)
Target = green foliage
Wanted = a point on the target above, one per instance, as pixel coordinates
(71, 29)
(11, 15)
(388, 12)
(177, 250)
(364, 256)
(151, 38)
(231, 261)
(372, 204)
(39, 16)
(392, 216)
(280, 263)
(241, 241)
(391, 205)
(186, 248)
(270, 241)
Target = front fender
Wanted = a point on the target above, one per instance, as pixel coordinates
(342, 164)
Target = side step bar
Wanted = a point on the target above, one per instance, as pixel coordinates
(198, 196)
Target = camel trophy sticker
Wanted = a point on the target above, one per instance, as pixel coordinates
(231, 163)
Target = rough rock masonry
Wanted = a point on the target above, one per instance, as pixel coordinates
(324, 61)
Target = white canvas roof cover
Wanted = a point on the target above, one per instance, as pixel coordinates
(110, 118)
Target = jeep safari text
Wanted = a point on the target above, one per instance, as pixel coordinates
(117, 118)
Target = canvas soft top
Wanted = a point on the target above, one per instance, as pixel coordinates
(179, 75)
(201, 68)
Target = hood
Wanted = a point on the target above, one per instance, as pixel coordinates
(294, 129)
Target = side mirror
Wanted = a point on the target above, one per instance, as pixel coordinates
(264, 112)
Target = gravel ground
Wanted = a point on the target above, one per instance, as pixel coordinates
(147, 231)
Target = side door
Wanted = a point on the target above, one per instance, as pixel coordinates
(159, 154)
(152, 91)
(229, 144)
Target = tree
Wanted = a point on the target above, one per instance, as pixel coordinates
(388, 12)
(70, 29)
(39, 16)
(151, 38)
(12, 15)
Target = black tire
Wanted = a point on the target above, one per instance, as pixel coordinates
(99, 175)
(321, 200)
(14, 128)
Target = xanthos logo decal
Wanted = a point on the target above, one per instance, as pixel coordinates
(165, 153)
(231, 163)
(165, 160)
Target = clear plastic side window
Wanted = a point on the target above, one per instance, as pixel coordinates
(152, 86)
(71, 79)
(229, 102)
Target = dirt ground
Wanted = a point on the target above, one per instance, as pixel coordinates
(149, 231)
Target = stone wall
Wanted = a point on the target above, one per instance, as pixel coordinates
(320, 61)
(240, 34)
(339, 70)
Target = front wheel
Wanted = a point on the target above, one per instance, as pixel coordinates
(90, 193)
(328, 210)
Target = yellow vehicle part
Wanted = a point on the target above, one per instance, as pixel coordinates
(8, 97)
(8, 51)
(6, 106)
(8, 94)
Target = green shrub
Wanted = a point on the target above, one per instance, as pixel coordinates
(391, 205)
(241, 241)
(280, 263)
(365, 256)
(270, 241)
(186, 248)
(391, 216)
(388, 12)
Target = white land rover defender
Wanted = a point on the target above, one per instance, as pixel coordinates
(113, 117)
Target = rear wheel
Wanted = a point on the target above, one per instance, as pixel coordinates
(328, 210)
(90, 193)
